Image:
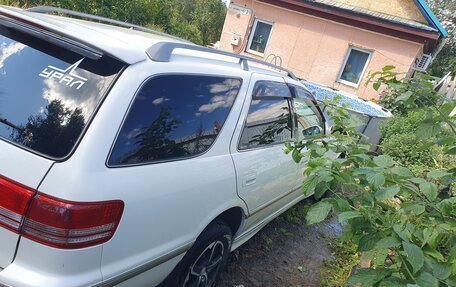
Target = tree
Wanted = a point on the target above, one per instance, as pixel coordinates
(446, 60)
(200, 21)
(54, 132)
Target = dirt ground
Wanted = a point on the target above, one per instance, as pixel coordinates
(285, 253)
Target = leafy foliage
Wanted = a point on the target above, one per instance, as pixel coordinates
(402, 143)
(404, 94)
(200, 21)
(405, 225)
(446, 59)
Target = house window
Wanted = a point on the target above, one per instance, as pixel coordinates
(260, 37)
(354, 66)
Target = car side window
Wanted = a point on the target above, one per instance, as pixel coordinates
(269, 119)
(173, 117)
(308, 119)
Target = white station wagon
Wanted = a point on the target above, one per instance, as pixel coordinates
(132, 158)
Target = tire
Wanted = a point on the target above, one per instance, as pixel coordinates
(202, 264)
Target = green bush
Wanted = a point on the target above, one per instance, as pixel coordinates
(403, 224)
(402, 143)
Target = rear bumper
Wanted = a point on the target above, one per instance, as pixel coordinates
(36, 265)
(17, 276)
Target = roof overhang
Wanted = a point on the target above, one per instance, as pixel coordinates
(430, 17)
(429, 39)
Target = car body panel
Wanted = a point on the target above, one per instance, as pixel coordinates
(152, 192)
(264, 174)
(23, 167)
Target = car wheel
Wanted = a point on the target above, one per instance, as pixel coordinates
(202, 264)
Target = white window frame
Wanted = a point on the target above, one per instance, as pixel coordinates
(348, 83)
(252, 34)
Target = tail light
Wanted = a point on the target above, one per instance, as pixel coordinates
(14, 200)
(56, 222)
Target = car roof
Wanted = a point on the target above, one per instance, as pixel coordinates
(124, 44)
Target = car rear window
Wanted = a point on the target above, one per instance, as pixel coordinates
(48, 94)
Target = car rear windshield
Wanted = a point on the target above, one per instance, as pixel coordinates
(48, 94)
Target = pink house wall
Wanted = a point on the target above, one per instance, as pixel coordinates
(315, 48)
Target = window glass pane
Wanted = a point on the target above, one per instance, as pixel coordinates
(355, 66)
(174, 116)
(308, 122)
(48, 94)
(260, 37)
(265, 89)
(269, 120)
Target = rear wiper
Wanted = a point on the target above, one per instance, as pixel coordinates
(10, 124)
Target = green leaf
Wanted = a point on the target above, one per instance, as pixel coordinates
(402, 232)
(309, 184)
(297, 156)
(376, 179)
(383, 161)
(433, 253)
(452, 150)
(388, 242)
(429, 189)
(345, 216)
(318, 212)
(447, 108)
(368, 242)
(427, 280)
(441, 271)
(394, 281)
(387, 193)
(377, 86)
(417, 180)
(448, 226)
(428, 129)
(435, 174)
(388, 68)
(402, 171)
(417, 209)
(320, 189)
(404, 97)
(447, 206)
(343, 204)
(321, 151)
(415, 256)
(362, 156)
(367, 277)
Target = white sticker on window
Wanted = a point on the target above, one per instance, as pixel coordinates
(65, 77)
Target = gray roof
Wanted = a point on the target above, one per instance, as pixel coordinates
(370, 13)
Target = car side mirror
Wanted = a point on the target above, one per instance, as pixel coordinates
(312, 131)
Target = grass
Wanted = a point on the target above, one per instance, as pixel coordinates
(344, 258)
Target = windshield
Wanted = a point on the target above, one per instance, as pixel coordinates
(48, 94)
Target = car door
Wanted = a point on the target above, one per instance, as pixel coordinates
(265, 174)
(309, 121)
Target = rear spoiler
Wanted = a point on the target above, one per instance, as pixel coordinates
(27, 27)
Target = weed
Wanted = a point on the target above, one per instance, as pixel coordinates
(344, 257)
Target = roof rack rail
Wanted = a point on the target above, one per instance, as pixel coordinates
(161, 52)
(50, 9)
